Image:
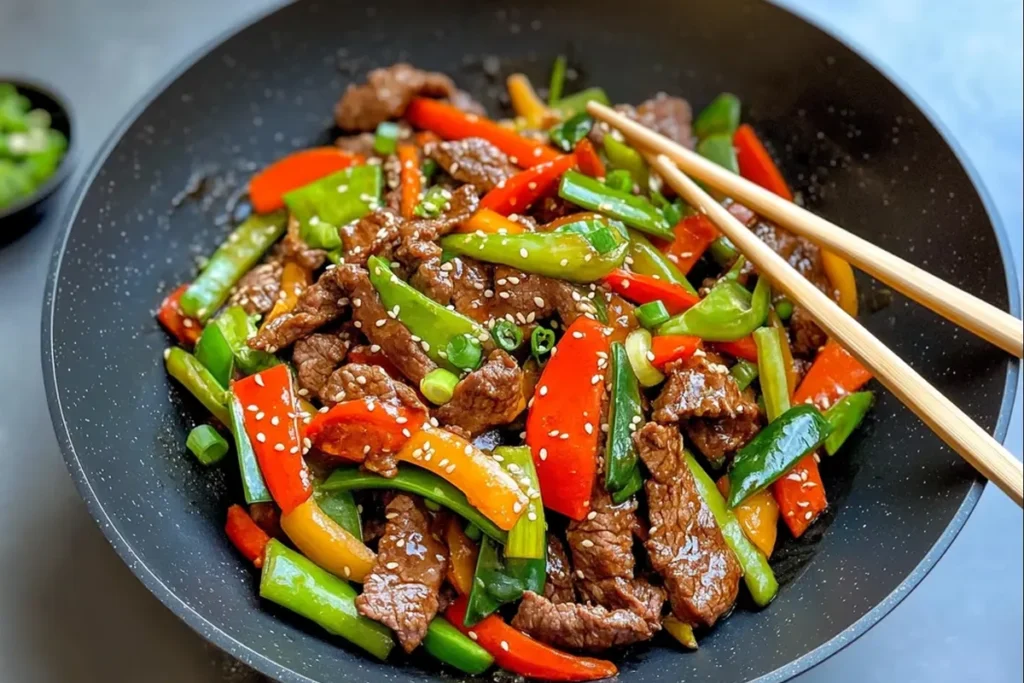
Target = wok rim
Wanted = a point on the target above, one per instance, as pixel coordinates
(268, 666)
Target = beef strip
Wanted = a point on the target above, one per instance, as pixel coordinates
(417, 237)
(716, 439)
(402, 589)
(317, 305)
(490, 396)
(670, 116)
(805, 335)
(700, 386)
(558, 587)
(294, 248)
(685, 544)
(574, 626)
(375, 234)
(552, 208)
(473, 160)
(524, 298)
(386, 94)
(361, 143)
(316, 357)
(258, 289)
(461, 282)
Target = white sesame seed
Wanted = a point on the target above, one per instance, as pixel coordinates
(392, 565)
(279, 447)
(260, 415)
(543, 391)
(543, 454)
(504, 645)
(592, 515)
(587, 543)
(258, 378)
(261, 437)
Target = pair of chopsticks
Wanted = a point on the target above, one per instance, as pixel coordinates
(952, 425)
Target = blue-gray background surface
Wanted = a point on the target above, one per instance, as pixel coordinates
(71, 611)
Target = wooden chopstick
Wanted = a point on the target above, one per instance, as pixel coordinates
(956, 305)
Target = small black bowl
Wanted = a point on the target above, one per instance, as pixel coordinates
(23, 215)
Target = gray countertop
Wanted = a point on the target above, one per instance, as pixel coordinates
(71, 611)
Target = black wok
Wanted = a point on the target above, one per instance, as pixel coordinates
(856, 147)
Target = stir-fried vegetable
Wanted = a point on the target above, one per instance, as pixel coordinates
(237, 328)
(722, 115)
(642, 289)
(462, 557)
(625, 415)
(729, 312)
(438, 386)
(758, 515)
(492, 222)
(449, 645)
(207, 444)
(268, 187)
(410, 178)
(622, 156)
(341, 507)
(692, 236)
(834, 374)
(668, 348)
(845, 416)
(577, 102)
(323, 206)
(800, 495)
(353, 429)
(499, 579)
(557, 84)
(185, 329)
(183, 366)
(681, 631)
(744, 372)
(520, 191)
(326, 542)
(718, 148)
(634, 211)
(567, 134)
(651, 314)
(542, 341)
(528, 538)
(507, 335)
(526, 104)
(641, 357)
(246, 535)
(214, 352)
(254, 488)
(645, 259)
(771, 369)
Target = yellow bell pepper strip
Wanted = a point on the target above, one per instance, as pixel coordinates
(564, 421)
(271, 423)
(462, 554)
(833, 374)
(490, 222)
(633, 210)
(326, 542)
(518, 193)
(293, 582)
(453, 124)
(645, 259)
(728, 313)
(294, 281)
(480, 477)
(758, 515)
(840, 274)
(681, 631)
(183, 366)
(235, 257)
(525, 103)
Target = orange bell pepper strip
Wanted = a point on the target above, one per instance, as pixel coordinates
(185, 329)
(326, 542)
(268, 187)
(744, 348)
(564, 421)
(525, 103)
(588, 160)
(834, 374)
(271, 423)
(756, 164)
(246, 535)
(488, 487)
(410, 178)
(800, 495)
(462, 554)
(294, 281)
(490, 222)
(672, 347)
(758, 516)
(519, 653)
(351, 429)
(694, 233)
(517, 193)
(454, 124)
(642, 289)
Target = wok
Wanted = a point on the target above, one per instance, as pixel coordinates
(855, 146)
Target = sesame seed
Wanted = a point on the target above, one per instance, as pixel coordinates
(588, 428)
(808, 515)
(473, 636)
(543, 454)
(260, 415)
(523, 252)
(504, 645)
(392, 565)
(580, 574)
(577, 335)
(543, 391)
(595, 379)
(517, 507)
(258, 378)
(587, 543)
(252, 408)
(553, 432)
(279, 447)
(592, 515)
(347, 570)
(261, 437)
(275, 420)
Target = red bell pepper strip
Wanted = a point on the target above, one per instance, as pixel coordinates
(642, 289)
(744, 348)
(268, 187)
(270, 419)
(694, 233)
(246, 535)
(564, 422)
(519, 653)
(587, 159)
(185, 329)
(834, 374)
(756, 164)
(454, 124)
(517, 193)
(351, 429)
(800, 495)
(672, 347)
(410, 178)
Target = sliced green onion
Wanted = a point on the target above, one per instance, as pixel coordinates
(439, 386)
(385, 139)
(507, 335)
(465, 352)
(427, 169)
(620, 179)
(651, 314)
(433, 203)
(528, 538)
(542, 340)
(557, 86)
(784, 309)
(602, 240)
(638, 348)
(207, 444)
(744, 372)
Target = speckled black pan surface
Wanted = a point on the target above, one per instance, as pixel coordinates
(859, 151)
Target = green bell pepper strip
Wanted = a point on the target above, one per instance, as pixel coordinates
(434, 324)
(771, 369)
(528, 538)
(183, 366)
(214, 352)
(844, 416)
(577, 102)
(296, 583)
(412, 479)
(499, 580)
(341, 507)
(775, 449)
(619, 179)
(729, 312)
(757, 574)
(633, 484)
(625, 414)
(565, 135)
(207, 444)
(622, 156)
(722, 115)
(254, 488)
(744, 372)
(233, 259)
(449, 645)
(649, 260)
(718, 148)
(723, 252)
(634, 211)
(563, 255)
(557, 84)
(333, 201)
(238, 327)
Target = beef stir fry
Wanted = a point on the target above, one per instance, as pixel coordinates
(496, 394)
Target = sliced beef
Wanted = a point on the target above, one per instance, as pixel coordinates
(317, 305)
(433, 279)
(490, 396)
(258, 289)
(684, 543)
(700, 386)
(402, 589)
(805, 335)
(375, 234)
(524, 298)
(580, 627)
(461, 283)
(357, 144)
(552, 208)
(386, 94)
(716, 439)
(294, 248)
(473, 160)
(558, 587)
(670, 116)
(417, 237)
(316, 357)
